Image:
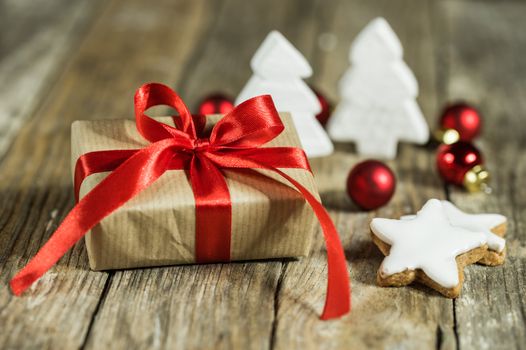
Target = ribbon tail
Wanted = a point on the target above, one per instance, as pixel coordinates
(338, 297)
(133, 176)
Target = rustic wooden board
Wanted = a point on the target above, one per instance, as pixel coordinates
(484, 45)
(200, 47)
(36, 190)
(381, 317)
(37, 38)
(210, 306)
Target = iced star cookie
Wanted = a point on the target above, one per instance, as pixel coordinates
(428, 248)
(493, 225)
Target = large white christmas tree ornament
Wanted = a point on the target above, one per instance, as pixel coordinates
(279, 69)
(378, 93)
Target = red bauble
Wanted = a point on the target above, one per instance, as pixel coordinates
(462, 164)
(216, 104)
(462, 118)
(454, 161)
(323, 116)
(371, 184)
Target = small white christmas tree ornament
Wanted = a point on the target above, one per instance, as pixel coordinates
(279, 69)
(378, 92)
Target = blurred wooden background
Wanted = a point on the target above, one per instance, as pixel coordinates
(63, 60)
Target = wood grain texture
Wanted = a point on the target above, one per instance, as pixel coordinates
(410, 317)
(484, 44)
(105, 52)
(36, 39)
(36, 192)
(226, 314)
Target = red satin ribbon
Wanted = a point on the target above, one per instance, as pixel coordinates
(234, 143)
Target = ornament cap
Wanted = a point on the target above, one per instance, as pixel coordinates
(446, 136)
(477, 179)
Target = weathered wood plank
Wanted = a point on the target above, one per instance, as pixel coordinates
(411, 317)
(198, 46)
(192, 307)
(36, 191)
(485, 44)
(208, 306)
(234, 43)
(34, 45)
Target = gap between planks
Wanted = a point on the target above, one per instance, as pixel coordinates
(102, 298)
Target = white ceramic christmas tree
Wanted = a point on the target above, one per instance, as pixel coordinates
(279, 69)
(378, 107)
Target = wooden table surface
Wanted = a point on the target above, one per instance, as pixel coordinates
(65, 60)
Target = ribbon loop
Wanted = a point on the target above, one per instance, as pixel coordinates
(235, 143)
(251, 124)
(154, 94)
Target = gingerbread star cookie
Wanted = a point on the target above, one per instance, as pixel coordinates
(430, 249)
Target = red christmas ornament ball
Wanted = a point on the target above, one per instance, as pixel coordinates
(455, 160)
(323, 116)
(216, 104)
(371, 184)
(462, 118)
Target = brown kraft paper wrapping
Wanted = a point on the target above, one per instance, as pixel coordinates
(270, 219)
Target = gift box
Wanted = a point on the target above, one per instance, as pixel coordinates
(157, 227)
(192, 189)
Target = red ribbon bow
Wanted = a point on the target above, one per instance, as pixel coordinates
(234, 143)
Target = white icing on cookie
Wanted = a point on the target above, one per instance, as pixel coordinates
(428, 242)
(474, 222)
